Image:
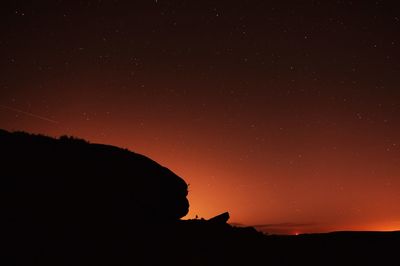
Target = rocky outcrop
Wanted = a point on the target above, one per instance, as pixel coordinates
(70, 181)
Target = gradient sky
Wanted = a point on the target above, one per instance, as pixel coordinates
(284, 113)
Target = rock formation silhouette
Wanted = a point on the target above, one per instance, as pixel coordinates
(71, 175)
(67, 190)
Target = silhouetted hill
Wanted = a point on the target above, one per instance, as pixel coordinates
(68, 202)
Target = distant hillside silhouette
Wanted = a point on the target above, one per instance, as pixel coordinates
(68, 202)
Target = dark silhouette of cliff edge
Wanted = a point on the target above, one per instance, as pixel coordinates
(66, 191)
(71, 175)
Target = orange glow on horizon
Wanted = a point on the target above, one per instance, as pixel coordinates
(314, 189)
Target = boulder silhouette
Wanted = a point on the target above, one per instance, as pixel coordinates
(68, 186)
(220, 219)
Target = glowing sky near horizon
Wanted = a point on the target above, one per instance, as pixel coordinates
(287, 115)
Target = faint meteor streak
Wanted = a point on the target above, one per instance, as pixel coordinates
(28, 114)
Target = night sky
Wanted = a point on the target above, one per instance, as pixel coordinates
(284, 113)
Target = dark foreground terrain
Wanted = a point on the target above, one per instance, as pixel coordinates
(68, 202)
